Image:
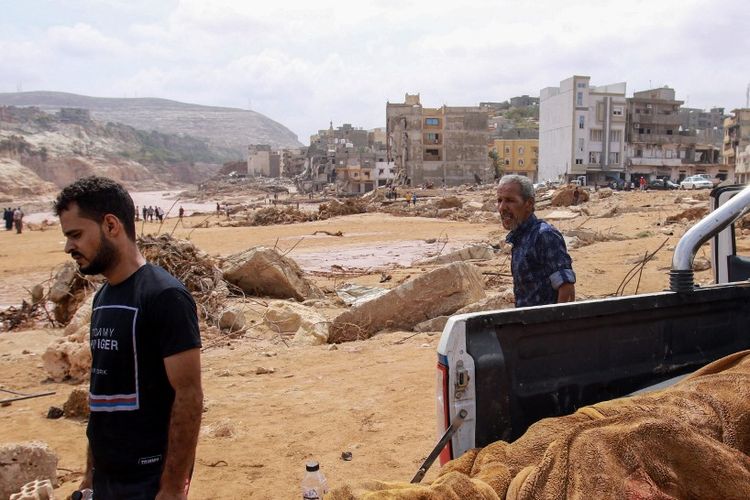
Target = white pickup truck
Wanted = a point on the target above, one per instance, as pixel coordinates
(504, 370)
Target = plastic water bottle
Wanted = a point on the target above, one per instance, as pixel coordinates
(84, 494)
(314, 484)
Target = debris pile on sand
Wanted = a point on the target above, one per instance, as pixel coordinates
(335, 208)
(67, 291)
(693, 213)
(272, 215)
(565, 196)
(191, 266)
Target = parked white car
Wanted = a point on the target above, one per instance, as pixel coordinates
(696, 182)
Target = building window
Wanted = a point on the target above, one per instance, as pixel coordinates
(507, 150)
(580, 121)
(595, 134)
(594, 157)
(579, 161)
(520, 150)
(638, 153)
(520, 163)
(617, 111)
(535, 161)
(580, 144)
(614, 158)
(669, 132)
(615, 135)
(432, 138)
(581, 85)
(579, 99)
(433, 122)
(669, 153)
(507, 161)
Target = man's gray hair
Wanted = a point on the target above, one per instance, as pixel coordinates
(527, 188)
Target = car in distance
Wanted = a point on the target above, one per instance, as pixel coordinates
(662, 184)
(696, 182)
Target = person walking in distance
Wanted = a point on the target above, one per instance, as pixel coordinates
(18, 220)
(8, 217)
(145, 391)
(541, 267)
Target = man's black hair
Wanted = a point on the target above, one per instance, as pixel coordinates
(97, 197)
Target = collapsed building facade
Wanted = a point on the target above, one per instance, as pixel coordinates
(437, 146)
(658, 147)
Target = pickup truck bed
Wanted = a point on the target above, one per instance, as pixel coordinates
(551, 360)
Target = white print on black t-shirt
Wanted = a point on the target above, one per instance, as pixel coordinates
(114, 367)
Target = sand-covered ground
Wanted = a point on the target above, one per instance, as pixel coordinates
(374, 398)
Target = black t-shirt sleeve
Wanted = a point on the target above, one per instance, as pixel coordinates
(176, 319)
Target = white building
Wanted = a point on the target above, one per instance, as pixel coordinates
(582, 131)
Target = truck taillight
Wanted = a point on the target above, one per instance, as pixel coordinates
(441, 407)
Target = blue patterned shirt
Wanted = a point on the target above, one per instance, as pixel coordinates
(539, 262)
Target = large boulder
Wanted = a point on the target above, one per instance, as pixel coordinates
(21, 463)
(437, 293)
(263, 271)
(308, 326)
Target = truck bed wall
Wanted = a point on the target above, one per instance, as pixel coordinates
(546, 361)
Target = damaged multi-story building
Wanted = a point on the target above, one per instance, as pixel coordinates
(582, 131)
(262, 161)
(736, 143)
(353, 159)
(657, 144)
(708, 125)
(437, 146)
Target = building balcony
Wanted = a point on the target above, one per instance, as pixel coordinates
(656, 119)
(659, 162)
(662, 139)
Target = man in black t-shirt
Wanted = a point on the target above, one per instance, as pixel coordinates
(145, 392)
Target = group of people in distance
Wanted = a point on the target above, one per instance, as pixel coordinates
(149, 213)
(13, 217)
(145, 390)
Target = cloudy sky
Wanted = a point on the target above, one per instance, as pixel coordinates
(304, 63)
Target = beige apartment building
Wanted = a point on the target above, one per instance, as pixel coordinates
(518, 156)
(446, 145)
(736, 141)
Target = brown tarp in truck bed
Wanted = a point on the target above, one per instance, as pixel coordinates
(691, 440)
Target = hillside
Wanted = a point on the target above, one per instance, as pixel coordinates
(40, 152)
(228, 128)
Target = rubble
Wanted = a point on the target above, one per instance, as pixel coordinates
(335, 208)
(77, 405)
(449, 202)
(35, 490)
(303, 322)
(503, 300)
(263, 271)
(436, 293)
(194, 268)
(694, 213)
(473, 252)
(21, 463)
(432, 325)
(232, 319)
(563, 196)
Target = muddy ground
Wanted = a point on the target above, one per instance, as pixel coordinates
(374, 398)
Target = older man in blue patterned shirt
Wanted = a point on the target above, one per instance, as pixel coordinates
(541, 267)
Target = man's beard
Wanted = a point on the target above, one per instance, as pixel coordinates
(104, 259)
